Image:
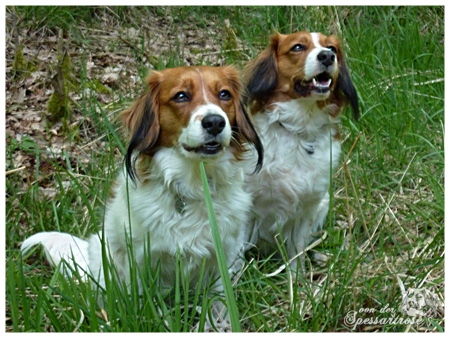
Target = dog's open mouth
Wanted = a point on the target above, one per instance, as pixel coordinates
(210, 148)
(321, 83)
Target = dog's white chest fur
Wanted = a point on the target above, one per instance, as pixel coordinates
(158, 221)
(291, 191)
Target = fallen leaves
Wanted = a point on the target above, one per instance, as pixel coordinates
(108, 61)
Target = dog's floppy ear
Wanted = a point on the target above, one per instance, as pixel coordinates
(141, 122)
(244, 131)
(261, 75)
(345, 84)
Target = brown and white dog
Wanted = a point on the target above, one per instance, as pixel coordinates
(187, 115)
(298, 86)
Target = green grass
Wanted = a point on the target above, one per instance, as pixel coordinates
(221, 255)
(387, 218)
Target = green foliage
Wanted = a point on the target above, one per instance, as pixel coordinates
(58, 107)
(221, 256)
(59, 104)
(19, 64)
(56, 17)
(98, 87)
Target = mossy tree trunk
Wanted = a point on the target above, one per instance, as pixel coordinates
(59, 104)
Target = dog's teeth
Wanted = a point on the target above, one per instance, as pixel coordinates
(318, 84)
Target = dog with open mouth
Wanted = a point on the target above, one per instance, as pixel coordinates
(157, 204)
(298, 86)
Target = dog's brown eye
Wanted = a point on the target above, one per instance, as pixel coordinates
(333, 49)
(181, 97)
(298, 48)
(225, 95)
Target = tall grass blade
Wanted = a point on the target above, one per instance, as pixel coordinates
(221, 259)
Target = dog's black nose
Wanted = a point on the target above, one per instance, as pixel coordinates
(213, 124)
(326, 57)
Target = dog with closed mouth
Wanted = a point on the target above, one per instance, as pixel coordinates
(298, 86)
(187, 115)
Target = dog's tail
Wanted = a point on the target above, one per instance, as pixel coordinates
(60, 246)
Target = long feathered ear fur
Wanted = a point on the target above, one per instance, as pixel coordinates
(244, 131)
(345, 84)
(261, 75)
(141, 122)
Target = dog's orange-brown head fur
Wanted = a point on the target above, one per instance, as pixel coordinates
(301, 65)
(201, 111)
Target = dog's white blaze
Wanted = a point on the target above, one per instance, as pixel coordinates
(315, 39)
(311, 61)
(202, 82)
